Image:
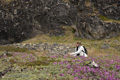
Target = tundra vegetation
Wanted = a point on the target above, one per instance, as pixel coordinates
(28, 65)
(60, 22)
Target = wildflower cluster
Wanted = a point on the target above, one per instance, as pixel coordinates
(23, 57)
(109, 69)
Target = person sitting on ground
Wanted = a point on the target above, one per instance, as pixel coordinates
(79, 50)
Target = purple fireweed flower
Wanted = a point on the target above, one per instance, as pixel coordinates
(73, 74)
(82, 68)
(81, 61)
(78, 67)
(31, 55)
(106, 73)
(93, 59)
(86, 59)
(65, 62)
(94, 71)
(82, 76)
(75, 56)
(5, 56)
(31, 58)
(59, 62)
(28, 58)
(25, 56)
(79, 70)
(61, 74)
(107, 65)
(69, 72)
(75, 70)
(1, 57)
(102, 79)
(55, 63)
(112, 62)
(89, 58)
(22, 57)
(117, 66)
(97, 69)
(88, 69)
(68, 66)
(75, 78)
(53, 56)
(82, 57)
(65, 56)
(78, 60)
(78, 73)
(73, 60)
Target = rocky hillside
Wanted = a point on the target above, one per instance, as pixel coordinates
(22, 19)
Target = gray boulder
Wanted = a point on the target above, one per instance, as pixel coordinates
(93, 64)
(104, 46)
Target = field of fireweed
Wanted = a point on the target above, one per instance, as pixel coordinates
(29, 66)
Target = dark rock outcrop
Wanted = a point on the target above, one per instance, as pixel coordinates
(90, 25)
(24, 19)
(108, 8)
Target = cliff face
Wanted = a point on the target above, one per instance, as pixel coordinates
(21, 19)
(108, 8)
(90, 25)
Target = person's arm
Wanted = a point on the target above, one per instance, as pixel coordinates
(75, 53)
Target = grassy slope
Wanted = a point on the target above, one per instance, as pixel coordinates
(70, 39)
(93, 46)
(67, 39)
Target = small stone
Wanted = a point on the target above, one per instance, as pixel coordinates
(93, 64)
(45, 43)
(104, 46)
(7, 54)
(55, 44)
(116, 41)
(94, 44)
(117, 47)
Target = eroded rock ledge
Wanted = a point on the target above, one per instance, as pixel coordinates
(23, 19)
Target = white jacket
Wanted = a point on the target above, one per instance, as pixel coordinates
(80, 51)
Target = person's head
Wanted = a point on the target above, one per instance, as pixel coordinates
(78, 44)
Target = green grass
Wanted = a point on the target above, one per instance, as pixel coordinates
(40, 61)
(12, 49)
(107, 19)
